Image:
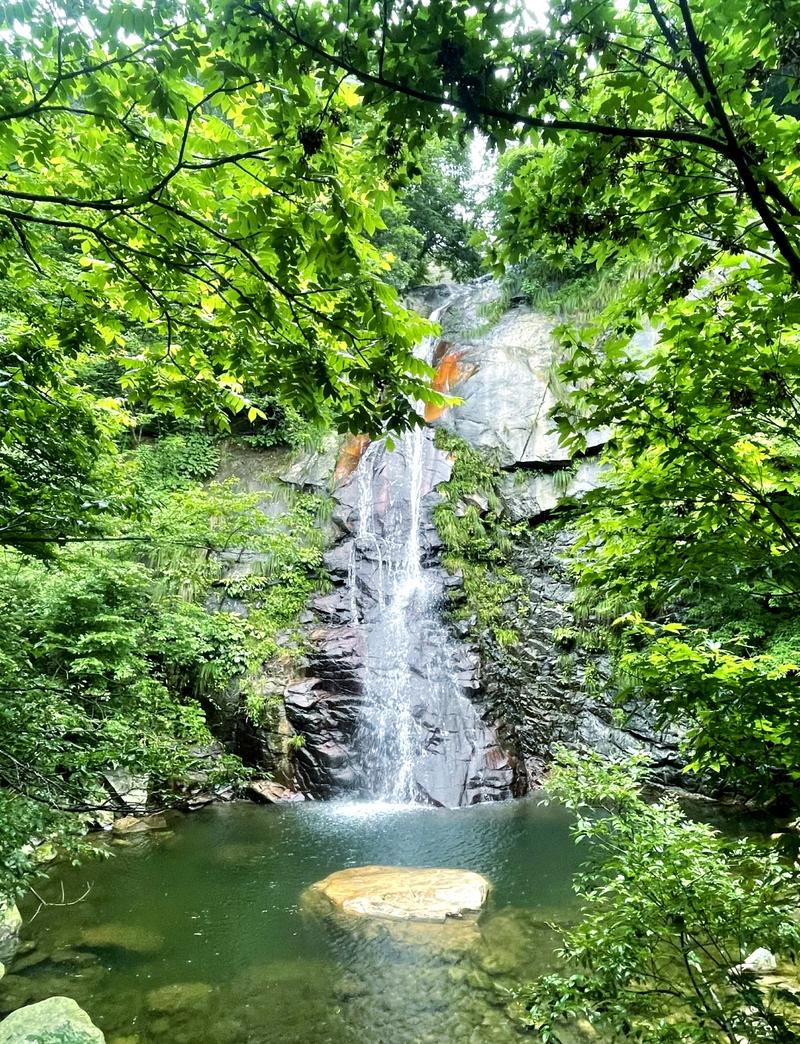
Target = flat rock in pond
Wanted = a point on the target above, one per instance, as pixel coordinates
(405, 893)
(57, 1020)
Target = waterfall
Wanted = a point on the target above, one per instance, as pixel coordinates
(390, 617)
(418, 735)
(389, 702)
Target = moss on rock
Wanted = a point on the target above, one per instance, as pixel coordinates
(57, 1020)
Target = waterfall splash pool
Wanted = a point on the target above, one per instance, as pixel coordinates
(201, 935)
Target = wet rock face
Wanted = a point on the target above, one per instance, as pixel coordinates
(387, 707)
(544, 693)
(324, 707)
(529, 496)
(274, 475)
(505, 388)
(550, 694)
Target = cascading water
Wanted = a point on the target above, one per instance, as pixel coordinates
(418, 736)
(390, 614)
(387, 703)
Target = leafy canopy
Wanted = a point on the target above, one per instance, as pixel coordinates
(430, 226)
(170, 199)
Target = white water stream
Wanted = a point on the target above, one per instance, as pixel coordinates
(387, 736)
(419, 737)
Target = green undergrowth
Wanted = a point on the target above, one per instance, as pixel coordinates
(280, 424)
(176, 459)
(477, 541)
(669, 909)
(721, 661)
(173, 453)
(116, 650)
(246, 572)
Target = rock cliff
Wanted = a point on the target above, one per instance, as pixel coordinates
(545, 692)
(484, 717)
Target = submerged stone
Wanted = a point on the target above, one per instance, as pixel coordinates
(180, 996)
(405, 893)
(57, 1020)
(139, 824)
(121, 936)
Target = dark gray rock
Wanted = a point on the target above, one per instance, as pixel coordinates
(550, 695)
(541, 694)
(355, 656)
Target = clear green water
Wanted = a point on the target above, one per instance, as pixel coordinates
(201, 935)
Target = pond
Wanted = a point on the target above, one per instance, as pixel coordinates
(201, 935)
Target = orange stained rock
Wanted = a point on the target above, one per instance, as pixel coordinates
(350, 454)
(449, 371)
(441, 349)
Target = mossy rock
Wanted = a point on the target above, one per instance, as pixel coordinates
(180, 996)
(57, 1020)
(10, 925)
(10, 920)
(120, 936)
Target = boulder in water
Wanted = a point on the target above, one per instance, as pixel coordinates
(139, 824)
(57, 1020)
(399, 893)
